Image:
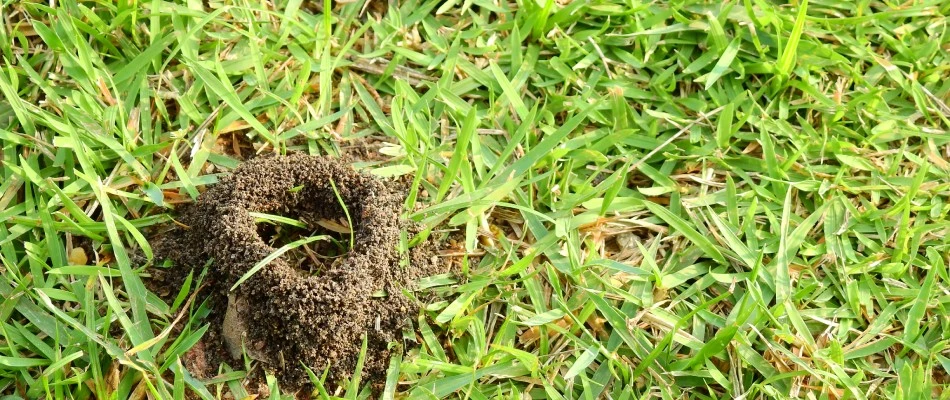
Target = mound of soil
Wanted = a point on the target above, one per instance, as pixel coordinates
(313, 305)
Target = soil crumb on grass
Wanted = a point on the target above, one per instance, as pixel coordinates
(305, 307)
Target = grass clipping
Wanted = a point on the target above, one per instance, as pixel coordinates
(300, 308)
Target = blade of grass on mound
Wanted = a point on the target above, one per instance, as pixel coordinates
(346, 212)
(277, 219)
(273, 256)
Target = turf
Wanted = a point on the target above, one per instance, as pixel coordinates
(678, 199)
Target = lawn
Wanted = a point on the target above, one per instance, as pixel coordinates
(668, 199)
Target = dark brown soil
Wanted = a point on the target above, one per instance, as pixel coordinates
(300, 309)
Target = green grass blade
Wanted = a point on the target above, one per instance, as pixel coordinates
(787, 60)
(683, 227)
(273, 256)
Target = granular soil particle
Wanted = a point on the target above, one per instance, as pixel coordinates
(285, 316)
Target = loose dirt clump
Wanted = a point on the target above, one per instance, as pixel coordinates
(305, 307)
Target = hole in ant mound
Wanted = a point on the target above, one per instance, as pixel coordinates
(308, 257)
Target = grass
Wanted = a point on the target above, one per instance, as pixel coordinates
(677, 199)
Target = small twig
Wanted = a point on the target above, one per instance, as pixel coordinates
(378, 66)
(311, 255)
(460, 254)
(603, 58)
(372, 92)
(672, 138)
(480, 131)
